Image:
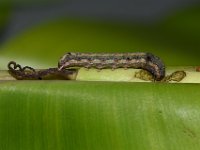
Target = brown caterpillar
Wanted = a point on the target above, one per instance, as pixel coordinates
(146, 61)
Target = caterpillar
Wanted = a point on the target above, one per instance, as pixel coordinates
(146, 61)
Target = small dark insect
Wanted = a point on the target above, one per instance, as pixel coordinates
(146, 61)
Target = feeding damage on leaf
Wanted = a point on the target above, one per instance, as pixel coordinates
(151, 67)
(28, 73)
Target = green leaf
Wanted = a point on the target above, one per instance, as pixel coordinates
(71, 115)
(99, 115)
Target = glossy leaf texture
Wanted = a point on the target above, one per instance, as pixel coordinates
(49, 115)
(86, 115)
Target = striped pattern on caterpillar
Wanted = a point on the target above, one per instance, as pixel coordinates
(146, 61)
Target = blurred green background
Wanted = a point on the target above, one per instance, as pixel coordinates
(39, 33)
